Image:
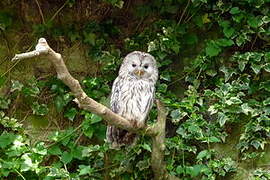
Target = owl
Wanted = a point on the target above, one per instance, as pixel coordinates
(133, 94)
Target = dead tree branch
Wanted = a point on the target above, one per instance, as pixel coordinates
(156, 131)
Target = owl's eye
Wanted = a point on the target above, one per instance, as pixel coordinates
(133, 65)
(145, 66)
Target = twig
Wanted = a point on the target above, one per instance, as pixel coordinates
(183, 13)
(57, 12)
(40, 12)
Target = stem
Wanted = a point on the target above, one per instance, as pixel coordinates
(20, 174)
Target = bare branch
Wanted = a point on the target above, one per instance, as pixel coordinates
(156, 131)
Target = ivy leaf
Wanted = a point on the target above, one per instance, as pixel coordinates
(195, 170)
(39, 109)
(6, 139)
(224, 42)
(71, 113)
(147, 147)
(27, 163)
(233, 100)
(90, 38)
(254, 22)
(84, 170)
(265, 85)
(55, 150)
(214, 139)
(4, 103)
(266, 67)
(16, 85)
(228, 72)
(256, 68)
(222, 118)
(211, 72)
(255, 144)
(95, 118)
(66, 157)
(143, 164)
(235, 10)
(177, 115)
(266, 102)
(242, 64)
(241, 39)
(212, 49)
(246, 109)
(228, 32)
(162, 88)
(203, 154)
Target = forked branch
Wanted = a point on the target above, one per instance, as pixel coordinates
(156, 131)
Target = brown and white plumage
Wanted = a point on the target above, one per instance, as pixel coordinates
(132, 94)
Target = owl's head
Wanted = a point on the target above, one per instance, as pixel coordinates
(139, 65)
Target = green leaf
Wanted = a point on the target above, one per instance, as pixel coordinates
(95, 119)
(242, 39)
(224, 42)
(212, 49)
(222, 118)
(4, 103)
(235, 10)
(66, 157)
(228, 32)
(16, 85)
(211, 72)
(255, 144)
(84, 170)
(265, 85)
(147, 147)
(233, 100)
(71, 113)
(55, 150)
(162, 88)
(242, 64)
(256, 68)
(266, 102)
(203, 154)
(39, 109)
(27, 163)
(143, 164)
(246, 109)
(254, 22)
(180, 170)
(195, 170)
(90, 38)
(214, 139)
(266, 67)
(177, 115)
(228, 72)
(6, 139)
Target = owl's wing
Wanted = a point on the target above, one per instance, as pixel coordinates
(113, 134)
(115, 97)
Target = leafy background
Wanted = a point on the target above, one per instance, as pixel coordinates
(214, 63)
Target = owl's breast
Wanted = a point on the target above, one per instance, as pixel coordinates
(136, 100)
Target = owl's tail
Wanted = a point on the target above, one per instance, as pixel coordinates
(119, 137)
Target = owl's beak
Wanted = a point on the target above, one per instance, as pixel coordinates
(139, 73)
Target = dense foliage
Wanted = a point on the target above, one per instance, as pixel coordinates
(214, 63)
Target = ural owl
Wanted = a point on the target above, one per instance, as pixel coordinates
(133, 94)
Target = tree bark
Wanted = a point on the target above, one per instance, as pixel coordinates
(156, 131)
